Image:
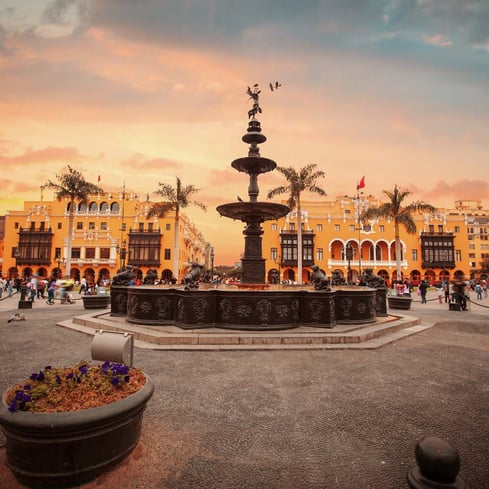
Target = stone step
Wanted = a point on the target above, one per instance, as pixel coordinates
(386, 330)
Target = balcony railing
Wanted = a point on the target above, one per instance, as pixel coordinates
(438, 264)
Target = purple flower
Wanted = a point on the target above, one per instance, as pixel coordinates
(70, 375)
(83, 369)
(27, 387)
(114, 380)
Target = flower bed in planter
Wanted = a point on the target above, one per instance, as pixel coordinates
(60, 449)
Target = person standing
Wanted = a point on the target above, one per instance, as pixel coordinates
(83, 286)
(2, 286)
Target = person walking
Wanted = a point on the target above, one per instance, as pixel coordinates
(51, 290)
(2, 285)
(440, 291)
(10, 287)
(478, 291)
(423, 288)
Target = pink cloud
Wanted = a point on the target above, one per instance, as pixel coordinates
(47, 155)
(139, 162)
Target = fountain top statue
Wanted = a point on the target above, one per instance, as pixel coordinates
(253, 212)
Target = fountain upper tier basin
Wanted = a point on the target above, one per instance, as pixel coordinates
(247, 211)
(253, 165)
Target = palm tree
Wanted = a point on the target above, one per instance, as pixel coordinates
(299, 181)
(175, 198)
(71, 185)
(401, 215)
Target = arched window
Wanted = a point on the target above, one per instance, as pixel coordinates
(104, 207)
(93, 207)
(82, 207)
(114, 208)
(378, 252)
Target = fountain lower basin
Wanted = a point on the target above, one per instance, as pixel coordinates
(230, 308)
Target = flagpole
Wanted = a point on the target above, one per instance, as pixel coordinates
(359, 235)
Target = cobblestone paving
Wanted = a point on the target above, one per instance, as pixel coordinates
(287, 419)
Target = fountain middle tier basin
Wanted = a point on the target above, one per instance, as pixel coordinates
(272, 309)
(247, 211)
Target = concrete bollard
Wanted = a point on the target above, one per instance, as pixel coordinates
(438, 465)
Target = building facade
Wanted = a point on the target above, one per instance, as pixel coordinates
(448, 243)
(110, 231)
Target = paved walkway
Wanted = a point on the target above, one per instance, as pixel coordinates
(286, 419)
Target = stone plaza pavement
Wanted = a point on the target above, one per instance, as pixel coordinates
(286, 419)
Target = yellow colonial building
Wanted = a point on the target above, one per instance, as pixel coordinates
(110, 231)
(447, 243)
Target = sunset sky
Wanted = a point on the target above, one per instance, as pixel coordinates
(143, 91)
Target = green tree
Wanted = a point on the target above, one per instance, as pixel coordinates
(71, 184)
(304, 180)
(175, 198)
(402, 215)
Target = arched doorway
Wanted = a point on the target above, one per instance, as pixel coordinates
(166, 275)
(385, 275)
(444, 276)
(289, 274)
(415, 277)
(430, 276)
(273, 276)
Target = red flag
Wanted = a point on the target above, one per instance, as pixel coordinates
(98, 181)
(361, 184)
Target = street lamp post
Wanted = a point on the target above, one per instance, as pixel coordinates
(212, 265)
(123, 254)
(349, 257)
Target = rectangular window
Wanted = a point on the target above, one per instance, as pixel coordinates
(431, 228)
(292, 226)
(89, 252)
(414, 255)
(91, 225)
(150, 227)
(104, 253)
(274, 226)
(103, 226)
(141, 227)
(16, 225)
(337, 228)
(79, 226)
(458, 255)
(60, 225)
(352, 227)
(168, 226)
(457, 229)
(167, 254)
(42, 225)
(75, 252)
(319, 227)
(381, 228)
(123, 226)
(273, 254)
(471, 255)
(319, 254)
(440, 228)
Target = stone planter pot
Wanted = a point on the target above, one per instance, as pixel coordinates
(96, 301)
(399, 302)
(66, 449)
